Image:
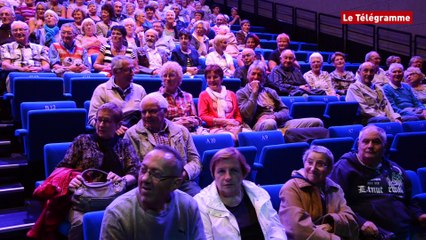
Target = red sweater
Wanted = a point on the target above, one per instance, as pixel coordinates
(207, 108)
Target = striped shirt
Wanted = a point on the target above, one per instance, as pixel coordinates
(26, 12)
(108, 56)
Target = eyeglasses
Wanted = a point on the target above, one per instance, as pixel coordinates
(155, 175)
(318, 164)
(104, 120)
(20, 30)
(151, 111)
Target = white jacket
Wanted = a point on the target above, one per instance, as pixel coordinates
(221, 224)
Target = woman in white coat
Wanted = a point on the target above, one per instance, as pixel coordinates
(233, 208)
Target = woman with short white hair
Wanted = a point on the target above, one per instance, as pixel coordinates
(132, 40)
(199, 40)
(317, 78)
(219, 57)
(88, 38)
(49, 33)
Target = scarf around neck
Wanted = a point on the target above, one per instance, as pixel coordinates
(50, 34)
(220, 98)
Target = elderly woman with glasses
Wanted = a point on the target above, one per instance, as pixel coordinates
(414, 77)
(234, 208)
(312, 205)
(199, 39)
(102, 150)
(317, 78)
(88, 38)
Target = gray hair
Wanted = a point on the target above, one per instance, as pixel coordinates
(9, 9)
(322, 150)
(171, 11)
(395, 65)
(414, 58)
(381, 131)
(257, 65)
(316, 55)
(412, 70)
(19, 23)
(157, 98)
(203, 23)
(171, 66)
(128, 20)
(368, 55)
(55, 15)
(287, 51)
(219, 38)
(117, 62)
(362, 65)
(88, 21)
(152, 31)
(116, 112)
(70, 25)
(42, 4)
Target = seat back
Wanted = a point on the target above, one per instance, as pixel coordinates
(232, 84)
(322, 98)
(338, 146)
(34, 90)
(205, 177)
(390, 127)
(82, 88)
(13, 75)
(28, 106)
(53, 154)
(307, 109)
(50, 126)
(69, 75)
(414, 126)
(408, 150)
(345, 131)
(92, 222)
(150, 84)
(212, 141)
(288, 101)
(193, 86)
(274, 192)
(416, 187)
(421, 173)
(260, 139)
(279, 161)
(340, 113)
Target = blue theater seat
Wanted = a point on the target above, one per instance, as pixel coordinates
(212, 141)
(338, 146)
(82, 88)
(345, 131)
(414, 126)
(340, 113)
(307, 109)
(274, 192)
(92, 222)
(408, 150)
(260, 139)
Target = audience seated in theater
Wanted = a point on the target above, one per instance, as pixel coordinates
(378, 190)
(102, 150)
(37, 21)
(104, 26)
(58, 8)
(76, 4)
(312, 205)
(187, 9)
(149, 16)
(120, 90)
(172, 26)
(205, 8)
(416, 61)
(248, 56)
(21, 55)
(154, 129)
(49, 33)
(401, 96)
(219, 21)
(340, 78)
(380, 77)
(181, 109)
(66, 55)
(186, 55)
(130, 9)
(252, 41)
(198, 16)
(92, 10)
(231, 48)
(118, 12)
(116, 47)
(26, 9)
(217, 106)
(132, 38)
(78, 15)
(220, 57)
(88, 38)
(392, 59)
(164, 42)
(199, 39)
(150, 58)
(242, 33)
(215, 12)
(286, 78)
(373, 103)
(414, 77)
(140, 21)
(316, 78)
(156, 209)
(7, 16)
(234, 18)
(247, 207)
(283, 41)
(262, 108)
(181, 19)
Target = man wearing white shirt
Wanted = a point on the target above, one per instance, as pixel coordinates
(150, 58)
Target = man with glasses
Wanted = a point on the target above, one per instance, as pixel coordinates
(247, 56)
(155, 209)
(66, 56)
(120, 90)
(154, 129)
(21, 55)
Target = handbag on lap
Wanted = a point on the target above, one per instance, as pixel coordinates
(96, 192)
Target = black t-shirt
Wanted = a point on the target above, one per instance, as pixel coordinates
(247, 219)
